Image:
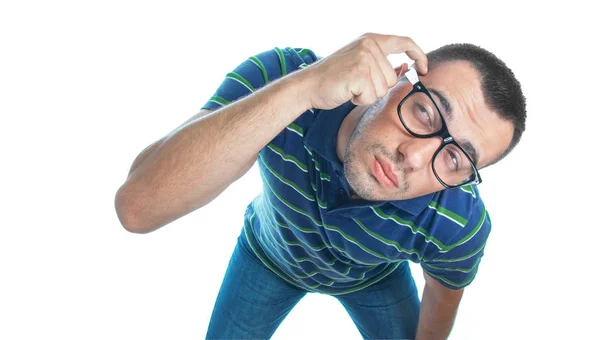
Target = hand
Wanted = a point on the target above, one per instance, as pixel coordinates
(360, 71)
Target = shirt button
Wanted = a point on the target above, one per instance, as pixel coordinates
(337, 173)
(342, 192)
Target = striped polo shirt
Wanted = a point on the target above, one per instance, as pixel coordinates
(307, 230)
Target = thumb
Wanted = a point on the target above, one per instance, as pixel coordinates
(400, 70)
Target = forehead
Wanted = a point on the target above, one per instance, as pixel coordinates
(472, 120)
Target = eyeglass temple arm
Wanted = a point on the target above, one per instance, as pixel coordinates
(412, 75)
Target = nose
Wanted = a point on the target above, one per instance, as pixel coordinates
(418, 152)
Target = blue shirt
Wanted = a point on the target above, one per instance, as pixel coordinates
(308, 231)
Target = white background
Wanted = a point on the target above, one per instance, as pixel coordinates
(85, 86)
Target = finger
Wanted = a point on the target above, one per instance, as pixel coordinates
(385, 67)
(402, 69)
(421, 63)
(379, 81)
(365, 95)
(395, 44)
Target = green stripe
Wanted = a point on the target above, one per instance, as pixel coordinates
(281, 257)
(274, 270)
(308, 150)
(219, 100)
(241, 80)
(301, 243)
(470, 235)
(303, 51)
(289, 205)
(328, 245)
(378, 211)
(451, 215)
(323, 175)
(452, 283)
(462, 270)
(388, 242)
(366, 284)
(287, 157)
(468, 189)
(302, 229)
(299, 130)
(282, 61)
(304, 259)
(262, 68)
(318, 223)
(322, 205)
(462, 257)
(286, 181)
(355, 241)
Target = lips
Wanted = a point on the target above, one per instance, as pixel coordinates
(388, 170)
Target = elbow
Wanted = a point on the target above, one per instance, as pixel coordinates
(132, 224)
(128, 216)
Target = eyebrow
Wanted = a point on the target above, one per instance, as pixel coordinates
(445, 103)
(449, 113)
(470, 150)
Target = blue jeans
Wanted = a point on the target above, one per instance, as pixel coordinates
(253, 301)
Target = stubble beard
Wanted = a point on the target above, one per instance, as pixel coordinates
(362, 183)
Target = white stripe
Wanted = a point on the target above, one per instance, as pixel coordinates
(294, 131)
(405, 225)
(214, 101)
(307, 150)
(388, 244)
(469, 192)
(280, 180)
(467, 240)
(320, 224)
(309, 255)
(246, 86)
(287, 160)
(446, 216)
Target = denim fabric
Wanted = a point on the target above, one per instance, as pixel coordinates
(253, 301)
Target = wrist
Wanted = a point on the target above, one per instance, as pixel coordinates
(301, 87)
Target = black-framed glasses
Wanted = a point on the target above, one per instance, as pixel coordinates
(422, 118)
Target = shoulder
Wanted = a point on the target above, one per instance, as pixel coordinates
(281, 61)
(455, 263)
(459, 216)
(457, 204)
(257, 71)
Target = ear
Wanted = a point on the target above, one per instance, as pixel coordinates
(401, 70)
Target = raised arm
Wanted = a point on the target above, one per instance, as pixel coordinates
(193, 164)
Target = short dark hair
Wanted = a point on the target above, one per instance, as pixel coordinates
(502, 91)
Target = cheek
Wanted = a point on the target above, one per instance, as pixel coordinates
(386, 126)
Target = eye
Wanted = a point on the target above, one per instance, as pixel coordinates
(424, 115)
(454, 160)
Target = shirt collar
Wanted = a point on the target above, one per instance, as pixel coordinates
(321, 137)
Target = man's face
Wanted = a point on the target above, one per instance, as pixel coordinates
(380, 137)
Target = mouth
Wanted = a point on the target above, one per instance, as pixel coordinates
(384, 173)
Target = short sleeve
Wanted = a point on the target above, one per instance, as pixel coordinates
(455, 266)
(257, 71)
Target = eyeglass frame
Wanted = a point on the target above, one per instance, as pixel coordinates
(443, 133)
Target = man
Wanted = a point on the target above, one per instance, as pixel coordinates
(364, 167)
